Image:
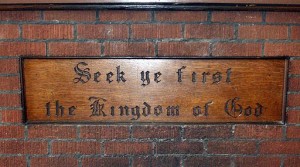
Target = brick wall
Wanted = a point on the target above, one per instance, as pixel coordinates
(150, 34)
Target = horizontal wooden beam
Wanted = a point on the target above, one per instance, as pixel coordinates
(158, 6)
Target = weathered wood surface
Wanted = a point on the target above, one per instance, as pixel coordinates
(178, 90)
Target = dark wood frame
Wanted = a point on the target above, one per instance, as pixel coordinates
(271, 5)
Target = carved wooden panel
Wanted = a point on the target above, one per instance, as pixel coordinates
(154, 90)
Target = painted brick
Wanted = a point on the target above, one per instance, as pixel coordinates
(294, 67)
(258, 131)
(53, 161)
(236, 16)
(104, 162)
(280, 147)
(103, 31)
(124, 16)
(72, 147)
(181, 16)
(231, 147)
(23, 147)
(183, 49)
(9, 83)
(293, 117)
(262, 32)
(213, 31)
(10, 100)
(143, 49)
(12, 132)
(9, 66)
(156, 132)
(257, 161)
(70, 15)
(13, 116)
(22, 49)
(51, 132)
(292, 161)
(207, 161)
(156, 161)
(201, 132)
(282, 49)
(51, 31)
(156, 31)
(104, 132)
(295, 32)
(74, 49)
(283, 17)
(293, 132)
(132, 148)
(293, 100)
(13, 161)
(9, 31)
(20, 15)
(237, 49)
(179, 147)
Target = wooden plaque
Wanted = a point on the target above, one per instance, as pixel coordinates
(111, 90)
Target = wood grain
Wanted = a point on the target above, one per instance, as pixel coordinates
(178, 90)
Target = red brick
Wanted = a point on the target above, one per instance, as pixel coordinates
(294, 67)
(258, 131)
(9, 83)
(295, 32)
(231, 147)
(237, 49)
(11, 132)
(292, 161)
(280, 147)
(9, 66)
(156, 132)
(23, 147)
(20, 15)
(51, 31)
(156, 31)
(181, 16)
(156, 161)
(51, 132)
(10, 100)
(183, 49)
(200, 132)
(22, 49)
(283, 17)
(13, 161)
(104, 132)
(282, 49)
(293, 117)
(236, 16)
(70, 15)
(293, 100)
(124, 16)
(257, 161)
(74, 49)
(132, 148)
(14, 116)
(72, 147)
(213, 31)
(293, 132)
(207, 161)
(103, 31)
(294, 84)
(53, 161)
(8, 31)
(179, 148)
(263, 32)
(105, 162)
(143, 49)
